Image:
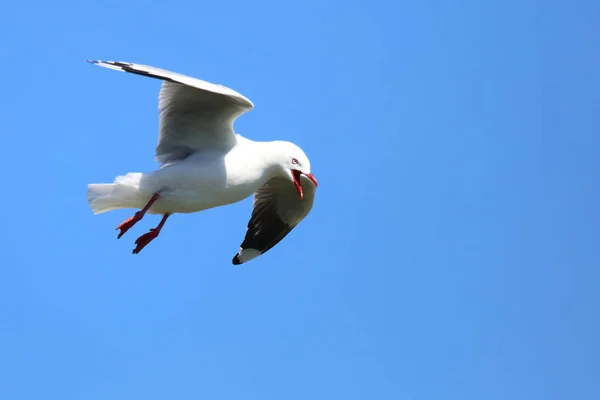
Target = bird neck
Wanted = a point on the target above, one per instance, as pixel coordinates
(270, 157)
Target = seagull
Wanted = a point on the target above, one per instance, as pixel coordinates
(205, 164)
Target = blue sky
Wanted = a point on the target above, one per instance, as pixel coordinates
(452, 252)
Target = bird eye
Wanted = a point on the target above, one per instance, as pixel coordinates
(294, 161)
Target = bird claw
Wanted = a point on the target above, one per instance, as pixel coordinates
(128, 223)
(143, 240)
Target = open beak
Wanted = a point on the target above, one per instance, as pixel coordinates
(296, 175)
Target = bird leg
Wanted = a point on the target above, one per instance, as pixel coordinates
(146, 238)
(128, 223)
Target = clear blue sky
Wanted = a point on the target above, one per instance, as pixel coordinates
(453, 250)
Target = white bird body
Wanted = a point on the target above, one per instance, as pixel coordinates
(231, 176)
(204, 164)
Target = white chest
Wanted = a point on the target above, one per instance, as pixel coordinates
(204, 181)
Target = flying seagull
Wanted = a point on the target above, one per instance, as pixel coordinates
(205, 164)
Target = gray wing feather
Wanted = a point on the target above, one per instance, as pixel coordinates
(194, 114)
(277, 209)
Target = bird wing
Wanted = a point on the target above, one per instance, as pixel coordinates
(195, 115)
(277, 209)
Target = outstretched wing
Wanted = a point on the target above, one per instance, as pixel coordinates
(277, 210)
(194, 114)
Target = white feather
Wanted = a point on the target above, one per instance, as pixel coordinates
(123, 193)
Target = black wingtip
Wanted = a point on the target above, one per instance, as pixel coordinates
(236, 260)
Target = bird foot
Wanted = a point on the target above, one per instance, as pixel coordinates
(146, 238)
(128, 223)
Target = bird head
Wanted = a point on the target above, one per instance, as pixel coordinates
(295, 164)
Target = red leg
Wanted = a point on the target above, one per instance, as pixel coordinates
(128, 223)
(146, 238)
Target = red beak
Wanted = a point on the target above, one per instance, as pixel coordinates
(296, 174)
(313, 179)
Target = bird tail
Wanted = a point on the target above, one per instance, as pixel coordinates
(123, 193)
